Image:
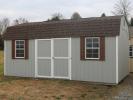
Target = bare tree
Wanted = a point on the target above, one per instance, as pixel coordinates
(56, 17)
(4, 23)
(20, 21)
(122, 7)
(75, 15)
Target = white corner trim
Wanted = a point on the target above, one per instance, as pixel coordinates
(70, 61)
(117, 59)
(36, 58)
(52, 55)
(5, 57)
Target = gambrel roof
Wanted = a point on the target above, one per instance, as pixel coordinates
(94, 26)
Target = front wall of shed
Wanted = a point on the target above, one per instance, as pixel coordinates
(87, 70)
(92, 70)
(19, 67)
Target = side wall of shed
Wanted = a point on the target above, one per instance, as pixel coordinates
(93, 70)
(123, 50)
(19, 67)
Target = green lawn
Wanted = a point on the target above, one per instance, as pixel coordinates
(1, 69)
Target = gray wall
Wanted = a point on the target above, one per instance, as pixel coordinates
(123, 52)
(95, 71)
(20, 67)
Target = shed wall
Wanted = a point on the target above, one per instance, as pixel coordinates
(19, 67)
(87, 70)
(93, 70)
(123, 51)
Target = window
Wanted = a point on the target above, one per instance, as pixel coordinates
(131, 51)
(20, 49)
(92, 47)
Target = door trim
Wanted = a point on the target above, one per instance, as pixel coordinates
(52, 61)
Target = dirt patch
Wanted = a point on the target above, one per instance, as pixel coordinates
(16, 88)
(51, 89)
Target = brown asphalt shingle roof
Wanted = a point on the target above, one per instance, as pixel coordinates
(95, 26)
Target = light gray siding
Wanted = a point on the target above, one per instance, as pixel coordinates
(92, 70)
(19, 67)
(123, 69)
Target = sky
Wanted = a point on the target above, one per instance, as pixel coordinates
(41, 10)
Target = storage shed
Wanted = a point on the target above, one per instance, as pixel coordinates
(87, 49)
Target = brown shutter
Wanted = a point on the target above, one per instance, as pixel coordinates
(13, 49)
(82, 48)
(26, 49)
(102, 48)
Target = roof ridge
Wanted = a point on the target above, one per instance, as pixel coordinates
(67, 20)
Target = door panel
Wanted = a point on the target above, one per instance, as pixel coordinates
(60, 47)
(61, 57)
(44, 58)
(44, 48)
(61, 67)
(44, 67)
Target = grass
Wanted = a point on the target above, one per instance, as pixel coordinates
(1, 62)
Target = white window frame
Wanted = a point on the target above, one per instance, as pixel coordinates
(16, 49)
(93, 48)
(131, 51)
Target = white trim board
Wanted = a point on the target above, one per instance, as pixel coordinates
(5, 57)
(117, 41)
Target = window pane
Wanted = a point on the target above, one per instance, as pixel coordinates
(130, 48)
(89, 40)
(130, 54)
(17, 42)
(17, 46)
(19, 55)
(95, 51)
(21, 46)
(89, 51)
(21, 42)
(95, 55)
(19, 51)
(95, 45)
(95, 40)
(89, 45)
(89, 55)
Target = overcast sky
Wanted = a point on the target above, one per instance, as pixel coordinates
(40, 10)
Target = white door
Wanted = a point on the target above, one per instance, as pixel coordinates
(53, 58)
(43, 58)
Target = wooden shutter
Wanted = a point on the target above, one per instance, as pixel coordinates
(26, 49)
(13, 49)
(102, 48)
(82, 48)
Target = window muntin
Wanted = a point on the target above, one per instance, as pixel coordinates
(131, 51)
(92, 48)
(19, 48)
